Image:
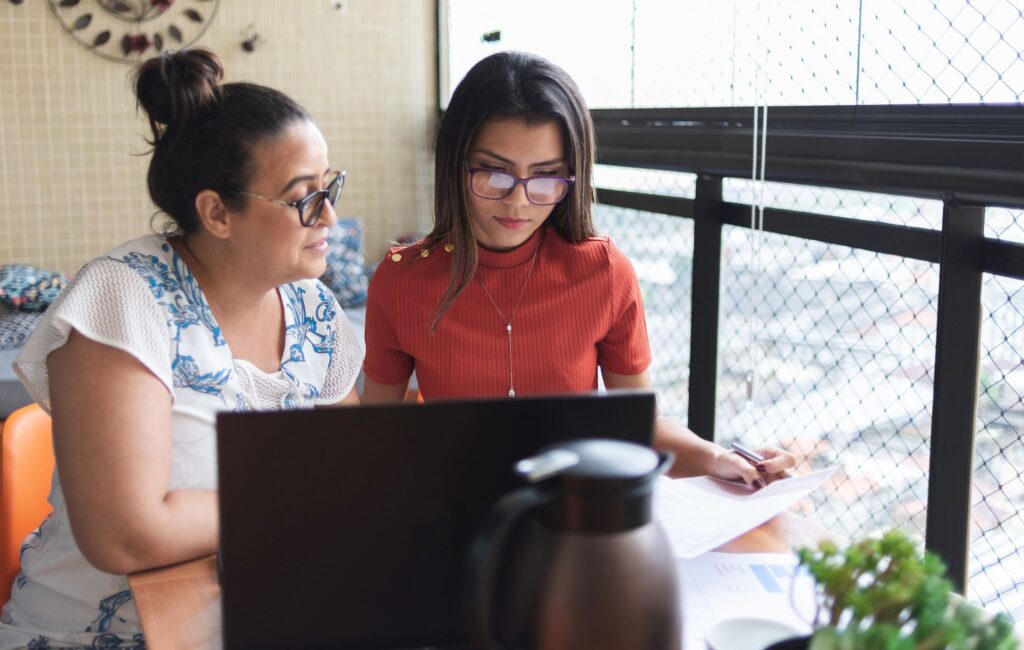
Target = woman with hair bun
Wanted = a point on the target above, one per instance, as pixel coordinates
(133, 362)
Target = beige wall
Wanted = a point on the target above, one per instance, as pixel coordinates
(72, 182)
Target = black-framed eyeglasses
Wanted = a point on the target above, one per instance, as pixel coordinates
(496, 184)
(312, 205)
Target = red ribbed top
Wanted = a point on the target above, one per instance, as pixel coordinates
(581, 309)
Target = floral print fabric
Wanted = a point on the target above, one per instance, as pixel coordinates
(143, 299)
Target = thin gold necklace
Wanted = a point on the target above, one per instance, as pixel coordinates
(512, 315)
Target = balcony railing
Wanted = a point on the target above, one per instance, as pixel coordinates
(924, 275)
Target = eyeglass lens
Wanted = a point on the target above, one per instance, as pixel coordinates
(309, 213)
(494, 184)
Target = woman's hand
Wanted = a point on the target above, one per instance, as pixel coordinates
(695, 456)
(731, 466)
(776, 463)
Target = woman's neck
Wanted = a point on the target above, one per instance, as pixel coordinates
(250, 314)
(227, 289)
(513, 256)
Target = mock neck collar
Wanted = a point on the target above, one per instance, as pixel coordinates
(519, 255)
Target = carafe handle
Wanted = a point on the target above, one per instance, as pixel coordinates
(486, 553)
(665, 461)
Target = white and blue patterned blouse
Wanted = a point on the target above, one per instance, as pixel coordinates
(141, 298)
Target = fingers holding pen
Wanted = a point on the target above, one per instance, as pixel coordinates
(771, 463)
(730, 466)
(776, 461)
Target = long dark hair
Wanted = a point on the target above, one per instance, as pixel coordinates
(204, 131)
(505, 85)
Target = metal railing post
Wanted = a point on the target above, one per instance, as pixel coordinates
(707, 265)
(955, 402)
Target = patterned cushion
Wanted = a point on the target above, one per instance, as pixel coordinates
(346, 266)
(15, 326)
(27, 288)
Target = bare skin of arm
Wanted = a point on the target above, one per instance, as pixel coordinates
(694, 455)
(352, 399)
(374, 393)
(112, 440)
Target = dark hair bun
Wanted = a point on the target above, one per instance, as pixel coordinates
(175, 86)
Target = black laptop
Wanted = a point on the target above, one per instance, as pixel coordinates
(349, 527)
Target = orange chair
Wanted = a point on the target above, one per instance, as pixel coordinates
(26, 467)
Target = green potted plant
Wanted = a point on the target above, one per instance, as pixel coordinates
(882, 593)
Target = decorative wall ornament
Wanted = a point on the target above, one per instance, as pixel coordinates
(130, 31)
(251, 39)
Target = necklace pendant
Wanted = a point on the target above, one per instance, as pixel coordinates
(511, 392)
(508, 327)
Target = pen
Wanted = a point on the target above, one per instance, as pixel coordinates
(751, 456)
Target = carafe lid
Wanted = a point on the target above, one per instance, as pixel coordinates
(602, 485)
(593, 464)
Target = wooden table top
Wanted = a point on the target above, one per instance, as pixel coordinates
(180, 605)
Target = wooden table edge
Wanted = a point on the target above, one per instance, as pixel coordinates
(179, 605)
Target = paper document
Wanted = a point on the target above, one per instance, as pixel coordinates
(717, 586)
(703, 513)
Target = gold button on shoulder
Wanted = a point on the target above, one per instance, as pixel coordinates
(424, 252)
(449, 247)
(397, 257)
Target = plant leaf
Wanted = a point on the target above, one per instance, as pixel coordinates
(194, 15)
(82, 22)
(126, 44)
(68, 3)
(101, 38)
(158, 42)
(119, 7)
(175, 33)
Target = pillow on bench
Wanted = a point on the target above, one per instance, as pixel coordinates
(25, 292)
(15, 327)
(346, 264)
(28, 288)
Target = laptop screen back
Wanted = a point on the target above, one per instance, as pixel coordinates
(349, 527)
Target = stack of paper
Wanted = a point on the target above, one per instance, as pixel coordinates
(700, 514)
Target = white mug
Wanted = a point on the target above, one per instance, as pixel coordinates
(747, 634)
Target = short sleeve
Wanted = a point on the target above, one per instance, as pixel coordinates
(625, 350)
(346, 359)
(386, 362)
(111, 304)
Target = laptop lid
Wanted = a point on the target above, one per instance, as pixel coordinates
(349, 527)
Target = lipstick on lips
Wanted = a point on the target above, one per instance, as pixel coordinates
(511, 222)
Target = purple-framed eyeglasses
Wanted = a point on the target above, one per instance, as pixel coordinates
(496, 184)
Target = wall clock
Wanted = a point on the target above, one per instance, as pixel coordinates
(130, 31)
